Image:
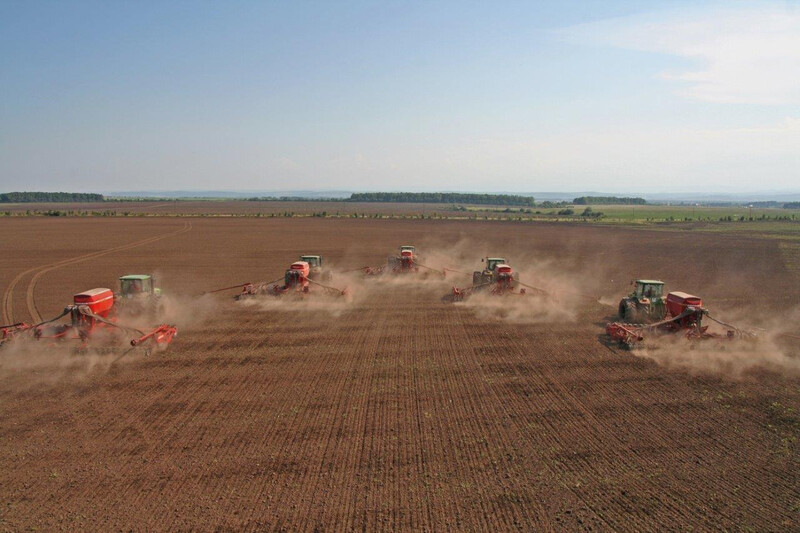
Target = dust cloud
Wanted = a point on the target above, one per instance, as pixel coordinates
(49, 360)
(555, 291)
(771, 346)
(733, 358)
(30, 362)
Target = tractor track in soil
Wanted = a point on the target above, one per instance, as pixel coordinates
(39, 271)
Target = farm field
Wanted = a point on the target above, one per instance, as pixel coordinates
(396, 409)
(612, 214)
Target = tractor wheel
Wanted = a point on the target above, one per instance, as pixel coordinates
(630, 312)
(621, 308)
(477, 278)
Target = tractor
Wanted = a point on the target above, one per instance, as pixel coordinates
(92, 320)
(138, 293)
(482, 278)
(317, 271)
(645, 304)
(296, 280)
(683, 313)
(497, 276)
(405, 262)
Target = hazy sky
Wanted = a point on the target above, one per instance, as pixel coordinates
(512, 96)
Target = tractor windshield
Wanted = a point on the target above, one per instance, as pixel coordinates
(136, 286)
(650, 290)
(493, 262)
(312, 260)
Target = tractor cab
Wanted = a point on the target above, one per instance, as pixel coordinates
(138, 286)
(647, 290)
(491, 272)
(645, 304)
(407, 254)
(494, 262)
(314, 261)
(317, 272)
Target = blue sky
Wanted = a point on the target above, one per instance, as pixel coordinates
(512, 96)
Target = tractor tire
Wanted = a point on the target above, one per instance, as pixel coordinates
(631, 313)
(658, 313)
(477, 278)
(621, 308)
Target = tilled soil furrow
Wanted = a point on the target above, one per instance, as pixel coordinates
(604, 455)
(398, 410)
(524, 469)
(476, 437)
(517, 412)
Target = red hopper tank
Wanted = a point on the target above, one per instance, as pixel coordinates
(100, 301)
(677, 302)
(302, 266)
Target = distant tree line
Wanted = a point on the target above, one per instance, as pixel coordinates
(292, 199)
(791, 205)
(30, 197)
(443, 198)
(608, 200)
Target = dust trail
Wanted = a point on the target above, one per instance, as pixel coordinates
(770, 349)
(27, 362)
(610, 301)
(48, 361)
(527, 309)
(186, 311)
(359, 290)
(730, 358)
(311, 303)
(567, 289)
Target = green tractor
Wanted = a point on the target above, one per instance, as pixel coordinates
(138, 292)
(316, 270)
(646, 303)
(487, 275)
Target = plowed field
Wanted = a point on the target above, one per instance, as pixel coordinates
(397, 409)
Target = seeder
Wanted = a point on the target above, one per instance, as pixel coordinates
(296, 281)
(497, 278)
(405, 262)
(684, 315)
(92, 322)
(7, 333)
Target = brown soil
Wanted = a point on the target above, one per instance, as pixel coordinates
(397, 410)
